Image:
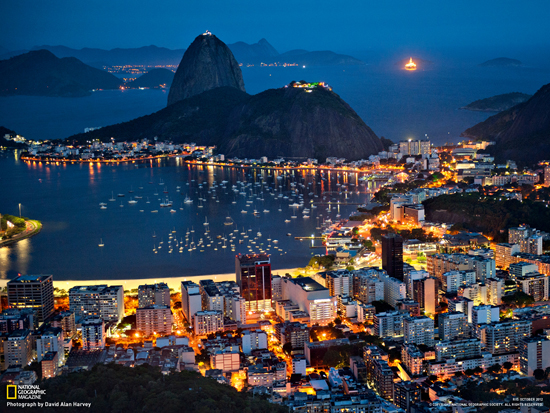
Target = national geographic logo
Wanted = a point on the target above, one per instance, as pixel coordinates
(24, 392)
(11, 391)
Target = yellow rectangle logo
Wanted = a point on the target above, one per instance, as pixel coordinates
(11, 391)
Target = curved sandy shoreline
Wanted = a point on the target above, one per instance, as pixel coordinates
(173, 282)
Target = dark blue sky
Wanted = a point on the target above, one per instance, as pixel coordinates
(345, 25)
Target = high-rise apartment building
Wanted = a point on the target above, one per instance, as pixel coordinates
(519, 269)
(485, 314)
(100, 301)
(392, 255)
(394, 289)
(66, 321)
(534, 353)
(462, 304)
(51, 339)
(206, 322)
(253, 273)
(154, 319)
(211, 299)
(191, 300)
(418, 330)
(310, 297)
(253, 340)
(425, 294)
(93, 334)
(32, 291)
(297, 334)
(453, 325)
(453, 280)
(495, 290)
(504, 336)
(153, 294)
(18, 348)
(415, 147)
(535, 285)
(504, 253)
(389, 324)
(457, 349)
(340, 282)
(406, 394)
(367, 287)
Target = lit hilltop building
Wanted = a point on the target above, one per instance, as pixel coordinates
(411, 65)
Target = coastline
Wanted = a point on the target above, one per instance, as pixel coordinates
(173, 282)
(33, 227)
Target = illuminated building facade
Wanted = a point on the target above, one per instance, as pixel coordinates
(253, 273)
(32, 291)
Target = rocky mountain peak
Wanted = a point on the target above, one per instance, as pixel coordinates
(207, 64)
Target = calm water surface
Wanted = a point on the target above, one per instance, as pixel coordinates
(67, 198)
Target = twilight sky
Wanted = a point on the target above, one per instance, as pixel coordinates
(343, 26)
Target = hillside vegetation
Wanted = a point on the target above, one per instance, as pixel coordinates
(115, 388)
(487, 214)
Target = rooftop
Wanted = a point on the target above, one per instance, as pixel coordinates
(19, 333)
(30, 278)
(308, 284)
(94, 288)
(252, 258)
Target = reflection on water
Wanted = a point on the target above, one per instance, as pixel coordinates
(15, 256)
(142, 239)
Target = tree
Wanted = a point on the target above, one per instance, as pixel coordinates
(539, 374)
(470, 372)
(337, 321)
(507, 365)
(496, 368)
(478, 370)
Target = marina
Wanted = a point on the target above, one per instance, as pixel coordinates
(201, 217)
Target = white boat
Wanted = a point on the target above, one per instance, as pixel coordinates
(244, 212)
(155, 211)
(112, 197)
(166, 203)
(228, 221)
(205, 221)
(188, 200)
(266, 211)
(101, 244)
(172, 211)
(132, 201)
(103, 207)
(287, 220)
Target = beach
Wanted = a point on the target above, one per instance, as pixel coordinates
(172, 282)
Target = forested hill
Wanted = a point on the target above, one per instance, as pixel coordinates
(115, 388)
(488, 215)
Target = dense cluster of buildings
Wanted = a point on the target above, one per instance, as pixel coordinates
(274, 334)
(112, 151)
